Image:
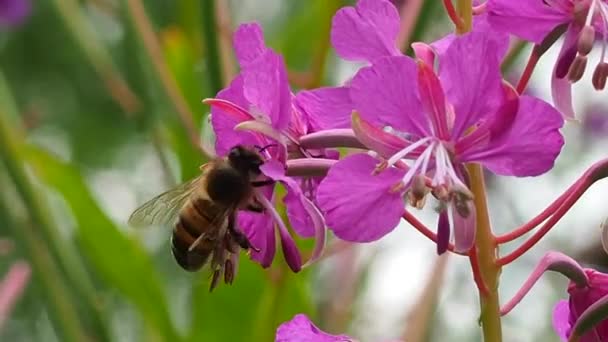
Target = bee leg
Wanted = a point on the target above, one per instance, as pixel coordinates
(238, 236)
(257, 184)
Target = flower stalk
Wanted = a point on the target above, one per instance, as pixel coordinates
(465, 12)
(486, 251)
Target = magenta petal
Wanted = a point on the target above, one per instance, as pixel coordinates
(223, 121)
(530, 146)
(326, 108)
(386, 94)
(259, 229)
(561, 324)
(267, 90)
(248, 43)
(301, 329)
(366, 32)
(531, 20)
(290, 250)
(471, 78)
(359, 206)
(298, 216)
(433, 100)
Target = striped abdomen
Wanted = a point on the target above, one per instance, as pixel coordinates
(195, 219)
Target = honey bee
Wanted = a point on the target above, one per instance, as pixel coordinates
(203, 213)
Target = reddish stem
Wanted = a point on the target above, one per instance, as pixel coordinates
(533, 223)
(477, 277)
(527, 74)
(596, 172)
(412, 220)
(453, 14)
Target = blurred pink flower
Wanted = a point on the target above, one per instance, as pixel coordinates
(14, 12)
(11, 288)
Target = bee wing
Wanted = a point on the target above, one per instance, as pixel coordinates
(208, 138)
(164, 208)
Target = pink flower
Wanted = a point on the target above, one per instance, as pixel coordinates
(567, 312)
(583, 21)
(438, 121)
(259, 109)
(14, 12)
(301, 329)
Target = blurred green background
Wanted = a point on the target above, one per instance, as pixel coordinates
(100, 109)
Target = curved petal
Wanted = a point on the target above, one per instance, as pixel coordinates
(325, 108)
(266, 88)
(529, 146)
(376, 139)
(471, 78)
(386, 94)
(358, 205)
(366, 32)
(223, 121)
(259, 229)
(561, 324)
(298, 216)
(301, 329)
(561, 88)
(248, 43)
(530, 20)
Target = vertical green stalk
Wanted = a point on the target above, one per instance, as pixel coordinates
(69, 266)
(62, 311)
(486, 251)
(212, 58)
(465, 10)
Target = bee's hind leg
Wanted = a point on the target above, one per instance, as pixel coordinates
(238, 236)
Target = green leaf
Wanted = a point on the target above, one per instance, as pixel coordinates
(120, 260)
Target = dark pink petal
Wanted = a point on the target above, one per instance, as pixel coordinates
(301, 329)
(259, 229)
(561, 88)
(325, 108)
(248, 43)
(471, 78)
(386, 94)
(298, 216)
(433, 100)
(358, 205)
(531, 20)
(224, 121)
(376, 139)
(529, 146)
(366, 32)
(266, 88)
(561, 325)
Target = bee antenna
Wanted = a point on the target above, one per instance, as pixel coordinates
(262, 149)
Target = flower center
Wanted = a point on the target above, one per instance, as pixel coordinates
(423, 152)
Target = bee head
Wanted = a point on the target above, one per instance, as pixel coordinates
(245, 160)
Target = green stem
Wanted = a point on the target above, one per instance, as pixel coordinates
(486, 245)
(465, 10)
(212, 58)
(69, 265)
(62, 312)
